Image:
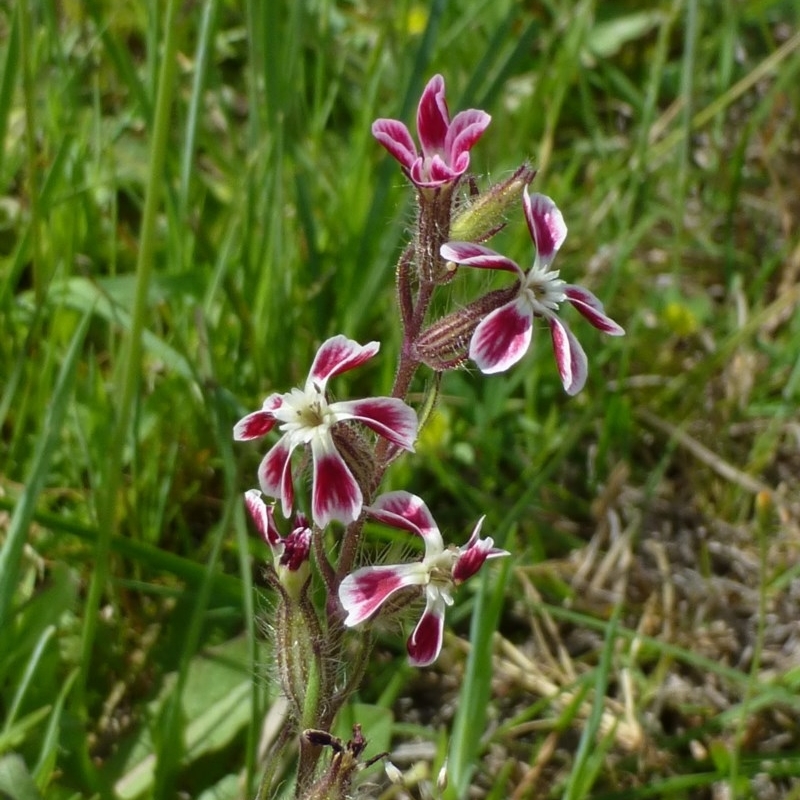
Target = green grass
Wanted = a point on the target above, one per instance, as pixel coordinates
(178, 235)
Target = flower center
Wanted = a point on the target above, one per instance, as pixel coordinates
(304, 413)
(440, 576)
(311, 415)
(544, 289)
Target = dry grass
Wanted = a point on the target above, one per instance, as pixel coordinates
(705, 666)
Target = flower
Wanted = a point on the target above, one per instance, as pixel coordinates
(289, 553)
(504, 335)
(445, 143)
(306, 418)
(441, 570)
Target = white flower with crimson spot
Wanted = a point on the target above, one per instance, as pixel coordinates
(441, 571)
(306, 418)
(502, 338)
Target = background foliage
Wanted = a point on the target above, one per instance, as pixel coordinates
(192, 201)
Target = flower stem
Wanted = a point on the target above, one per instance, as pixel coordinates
(321, 557)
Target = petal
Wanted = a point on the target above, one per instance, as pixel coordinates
(425, 643)
(364, 591)
(465, 129)
(300, 522)
(476, 255)
(337, 355)
(275, 474)
(259, 422)
(474, 553)
(253, 426)
(263, 516)
(388, 416)
(433, 117)
(431, 173)
(439, 172)
(409, 513)
(503, 337)
(570, 358)
(336, 493)
(591, 308)
(394, 136)
(296, 547)
(459, 164)
(546, 225)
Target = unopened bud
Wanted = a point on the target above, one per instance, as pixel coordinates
(293, 565)
(290, 553)
(295, 656)
(445, 344)
(357, 454)
(483, 217)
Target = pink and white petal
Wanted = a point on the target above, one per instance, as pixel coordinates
(570, 357)
(503, 337)
(394, 136)
(459, 164)
(546, 225)
(409, 513)
(474, 553)
(465, 129)
(425, 643)
(263, 516)
(337, 355)
(275, 474)
(431, 173)
(336, 494)
(439, 172)
(364, 591)
(473, 538)
(433, 117)
(417, 174)
(254, 426)
(295, 549)
(476, 255)
(590, 307)
(388, 416)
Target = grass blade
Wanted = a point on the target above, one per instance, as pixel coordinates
(131, 366)
(12, 548)
(470, 718)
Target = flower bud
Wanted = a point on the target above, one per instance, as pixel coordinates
(445, 344)
(357, 454)
(293, 565)
(483, 217)
(299, 642)
(290, 553)
(305, 673)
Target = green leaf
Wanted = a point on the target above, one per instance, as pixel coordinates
(14, 735)
(473, 702)
(215, 708)
(110, 299)
(229, 788)
(606, 39)
(16, 782)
